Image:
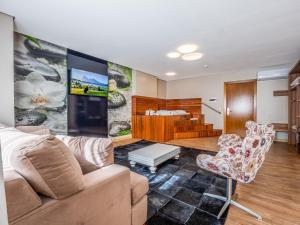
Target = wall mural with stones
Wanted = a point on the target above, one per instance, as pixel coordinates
(119, 100)
(40, 84)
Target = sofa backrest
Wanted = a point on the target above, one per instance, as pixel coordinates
(43, 160)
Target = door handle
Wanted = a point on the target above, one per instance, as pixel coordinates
(228, 111)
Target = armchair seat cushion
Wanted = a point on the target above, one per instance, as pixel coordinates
(139, 187)
(215, 164)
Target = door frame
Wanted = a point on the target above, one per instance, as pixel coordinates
(254, 81)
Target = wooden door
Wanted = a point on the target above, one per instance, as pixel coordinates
(239, 105)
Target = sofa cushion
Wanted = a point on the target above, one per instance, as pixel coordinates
(39, 130)
(92, 153)
(139, 187)
(12, 138)
(20, 196)
(49, 166)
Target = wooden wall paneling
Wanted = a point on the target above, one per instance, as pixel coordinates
(293, 105)
(281, 93)
(192, 105)
(296, 68)
(140, 104)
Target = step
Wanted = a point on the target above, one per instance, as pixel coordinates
(209, 126)
(182, 135)
(217, 132)
(197, 134)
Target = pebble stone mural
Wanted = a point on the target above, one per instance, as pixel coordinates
(40, 84)
(41, 88)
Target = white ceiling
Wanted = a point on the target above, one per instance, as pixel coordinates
(233, 34)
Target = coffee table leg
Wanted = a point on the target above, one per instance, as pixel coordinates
(176, 157)
(152, 169)
(132, 163)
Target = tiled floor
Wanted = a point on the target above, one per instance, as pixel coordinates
(176, 190)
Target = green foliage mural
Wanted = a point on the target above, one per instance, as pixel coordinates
(119, 100)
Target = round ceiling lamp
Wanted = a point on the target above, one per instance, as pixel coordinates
(170, 73)
(192, 56)
(173, 55)
(187, 48)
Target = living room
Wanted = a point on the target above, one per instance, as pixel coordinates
(148, 113)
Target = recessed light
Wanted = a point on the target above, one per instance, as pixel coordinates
(205, 66)
(192, 56)
(173, 55)
(188, 48)
(170, 73)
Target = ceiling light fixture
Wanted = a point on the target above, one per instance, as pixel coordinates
(173, 55)
(187, 48)
(192, 56)
(170, 73)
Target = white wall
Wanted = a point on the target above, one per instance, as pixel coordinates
(207, 87)
(269, 108)
(6, 70)
(145, 84)
(7, 93)
(161, 89)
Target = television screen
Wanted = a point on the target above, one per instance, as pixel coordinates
(88, 83)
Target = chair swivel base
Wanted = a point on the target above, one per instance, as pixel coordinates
(228, 201)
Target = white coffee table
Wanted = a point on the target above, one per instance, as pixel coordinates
(153, 155)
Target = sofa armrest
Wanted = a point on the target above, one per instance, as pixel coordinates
(105, 200)
(20, 197)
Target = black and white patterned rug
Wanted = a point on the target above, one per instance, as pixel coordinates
(175, 194)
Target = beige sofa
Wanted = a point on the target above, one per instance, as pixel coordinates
(111, 195)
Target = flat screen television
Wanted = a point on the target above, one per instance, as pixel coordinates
(87, 111)
(88, 83)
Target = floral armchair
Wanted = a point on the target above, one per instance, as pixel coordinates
(240, 160)
(234, 139)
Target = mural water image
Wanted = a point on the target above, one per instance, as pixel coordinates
(40, 84)
(119, 100)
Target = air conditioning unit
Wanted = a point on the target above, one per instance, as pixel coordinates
(273, 74)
